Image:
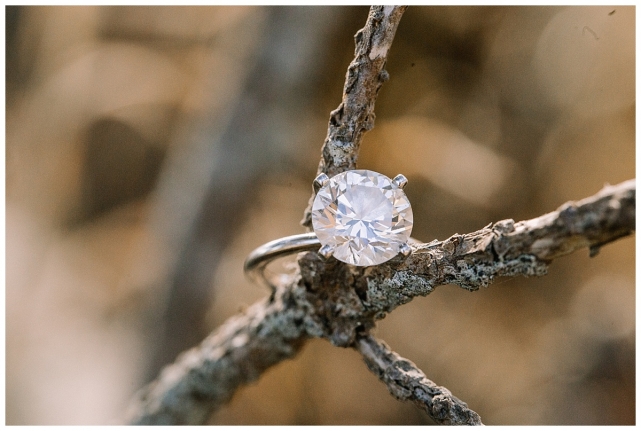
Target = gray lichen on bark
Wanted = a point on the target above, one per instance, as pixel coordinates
(350, 299)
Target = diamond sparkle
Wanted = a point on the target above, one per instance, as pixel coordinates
(363, 216)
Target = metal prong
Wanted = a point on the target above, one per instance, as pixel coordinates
(320, 181)
(405, 250)
(400, 180)
(326, 251)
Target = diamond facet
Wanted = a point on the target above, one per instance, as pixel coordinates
(363, 216)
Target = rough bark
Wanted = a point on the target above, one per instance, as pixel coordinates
(351, 298)
(407, 383)
(205, 377)
(341, 303)
(365, 76)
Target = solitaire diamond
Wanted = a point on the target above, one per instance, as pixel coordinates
(363, 217)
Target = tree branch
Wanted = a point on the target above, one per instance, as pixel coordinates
(351, 298)
(407, 383)
(365, 76)
(341, 303)
(205, 377)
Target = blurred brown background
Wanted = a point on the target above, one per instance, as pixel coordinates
(149, 149)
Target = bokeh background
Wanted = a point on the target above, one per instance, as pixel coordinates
(149, 149)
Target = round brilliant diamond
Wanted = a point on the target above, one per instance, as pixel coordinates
(363, 216)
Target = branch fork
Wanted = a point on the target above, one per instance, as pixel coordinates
(342, 303)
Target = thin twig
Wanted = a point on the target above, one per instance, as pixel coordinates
(407, 383)
(365, 76)
(341, 303)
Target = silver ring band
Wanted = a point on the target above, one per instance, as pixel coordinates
(258, 259)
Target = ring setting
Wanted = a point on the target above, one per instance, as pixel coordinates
(359, 217)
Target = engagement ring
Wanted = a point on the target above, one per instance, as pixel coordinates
(359, 217)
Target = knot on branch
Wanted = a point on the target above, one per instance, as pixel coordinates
(331, 293)
(345, 300)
